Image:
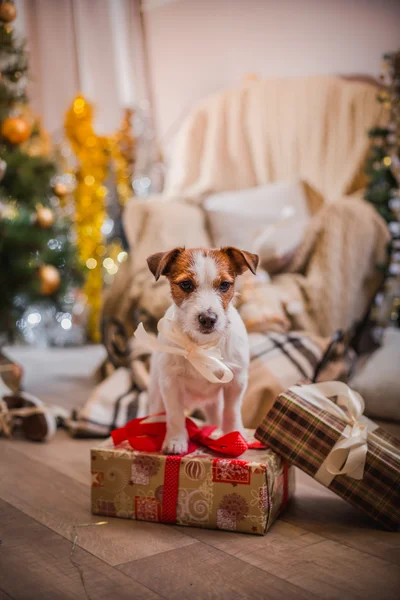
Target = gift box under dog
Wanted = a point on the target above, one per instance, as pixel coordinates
(200, 489)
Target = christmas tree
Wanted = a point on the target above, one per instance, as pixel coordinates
(37, 257)
(383, 191)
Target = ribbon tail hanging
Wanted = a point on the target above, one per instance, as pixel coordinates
(153, 344)
(208, 366)
(348, 455)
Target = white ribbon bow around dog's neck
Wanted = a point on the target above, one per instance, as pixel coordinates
(348, 455)
(205, 358)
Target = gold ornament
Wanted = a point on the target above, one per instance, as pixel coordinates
(44, 217)
(60, 189)
(8, 12)
(16, 130)
(9, 212)
(49, 279)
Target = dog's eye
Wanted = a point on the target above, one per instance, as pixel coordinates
(186, 286)
(224, 286)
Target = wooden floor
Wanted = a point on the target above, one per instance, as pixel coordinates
(320, 548)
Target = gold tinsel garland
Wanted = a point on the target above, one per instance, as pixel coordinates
(123, 145)
(93, 152)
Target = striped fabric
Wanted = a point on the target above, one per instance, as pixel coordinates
(302, 352)
(304, 435)
(278, 360)
(114, 402)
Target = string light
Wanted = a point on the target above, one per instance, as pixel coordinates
(387, 161)
(91, 263)
(122, 257)
(74, 540)
(108, 263)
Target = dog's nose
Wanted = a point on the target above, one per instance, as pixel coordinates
(207, 320)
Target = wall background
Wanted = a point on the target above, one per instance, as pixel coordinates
(196, 47)
(193, 47)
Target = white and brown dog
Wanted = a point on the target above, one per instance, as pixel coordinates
(202, 288)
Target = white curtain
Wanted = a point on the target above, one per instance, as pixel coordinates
(90, 46)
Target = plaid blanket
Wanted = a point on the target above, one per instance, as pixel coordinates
(278, 360)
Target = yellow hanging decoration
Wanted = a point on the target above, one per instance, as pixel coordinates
(124, 156)
(93, 153)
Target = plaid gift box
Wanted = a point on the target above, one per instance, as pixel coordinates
(337, 446)
(199, 489)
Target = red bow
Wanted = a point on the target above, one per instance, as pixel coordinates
(148, 436)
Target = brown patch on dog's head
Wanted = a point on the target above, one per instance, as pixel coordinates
(179, 266)
(182, 277)
(176, 265)
(241, 259)
(161, 262)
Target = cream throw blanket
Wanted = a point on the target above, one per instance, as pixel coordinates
(331, 282)
(311, 128)
(333, 277)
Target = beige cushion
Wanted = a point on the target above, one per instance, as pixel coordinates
(155, 226)
(378, 381)
(269, 220)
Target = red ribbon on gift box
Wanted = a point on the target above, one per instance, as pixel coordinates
(147, 435)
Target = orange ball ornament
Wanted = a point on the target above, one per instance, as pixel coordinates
(60, 190)
(44, 217)
(15, 130)
(49, 279)
(8, 12)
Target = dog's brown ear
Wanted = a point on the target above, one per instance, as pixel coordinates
(160, 263)
(241, 259)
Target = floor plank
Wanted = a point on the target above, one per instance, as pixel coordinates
(64, 454)
(59, 502)
(35, 565)
(320, 511)
(321, 548)
(200, 571)
(319, 566)
(314, 508)
(60, 376)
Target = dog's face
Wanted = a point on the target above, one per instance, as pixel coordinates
(202, 285)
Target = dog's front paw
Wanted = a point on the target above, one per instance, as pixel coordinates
(177, 444)
(233, 426)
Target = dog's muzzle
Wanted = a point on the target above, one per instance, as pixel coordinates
(207, 321)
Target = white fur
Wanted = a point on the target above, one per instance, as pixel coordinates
(204, 299)
(175, 385)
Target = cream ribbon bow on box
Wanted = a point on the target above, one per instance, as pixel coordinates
(348, 455)
(205, 358)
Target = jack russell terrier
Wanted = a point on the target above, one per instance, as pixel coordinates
(207, 365)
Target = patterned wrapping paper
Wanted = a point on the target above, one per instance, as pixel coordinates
(244, 494)
(305, 435)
